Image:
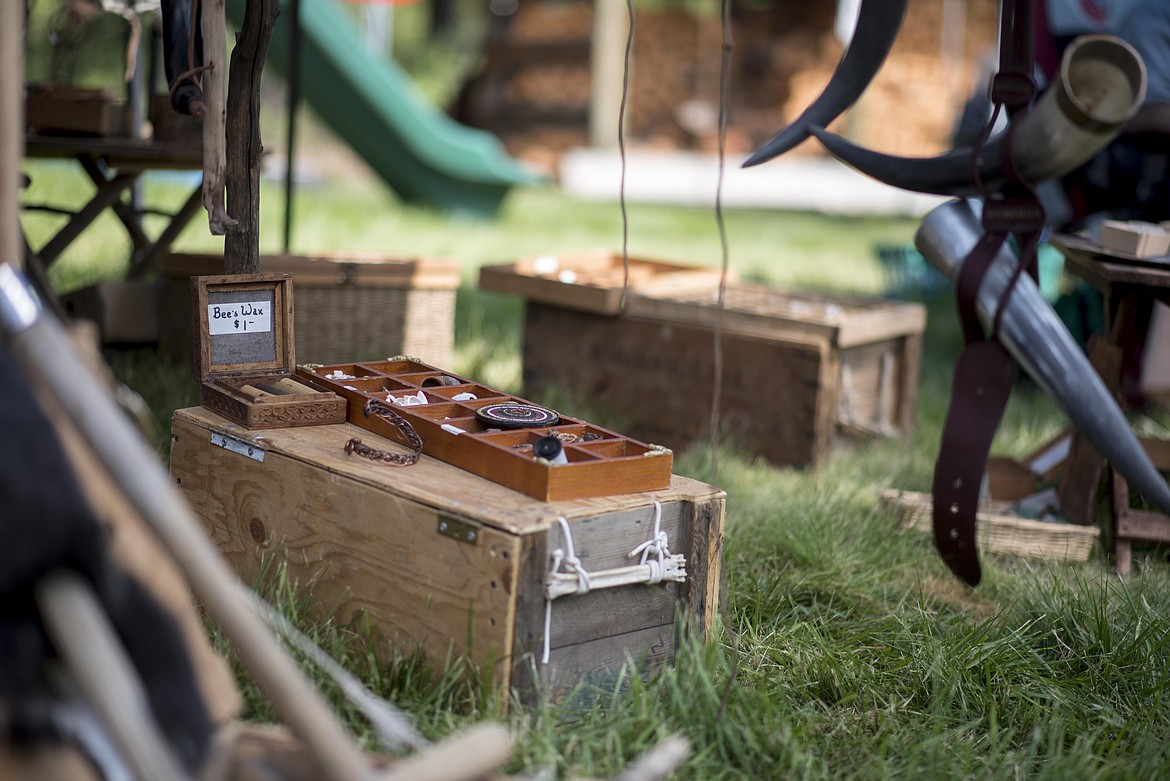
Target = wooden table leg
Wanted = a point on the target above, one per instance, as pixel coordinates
(179, 220)
(125, 212)
(1078, 487)
(1120, 542)
(105, 197)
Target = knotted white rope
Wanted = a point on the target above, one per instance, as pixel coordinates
(658, 544)
(656, 564)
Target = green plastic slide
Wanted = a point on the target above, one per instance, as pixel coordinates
(422, 154)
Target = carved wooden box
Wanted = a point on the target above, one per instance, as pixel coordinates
(245, 355)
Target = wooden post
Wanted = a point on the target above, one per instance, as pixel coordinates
(242, 245)
(214, 29)
(607, 62)
(11, 124)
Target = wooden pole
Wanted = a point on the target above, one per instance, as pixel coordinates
(294, 99)
(241, 253)
(213, 24)
(11, 133)
(611, 22)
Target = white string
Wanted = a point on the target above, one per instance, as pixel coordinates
(570, 559)
(658, 544)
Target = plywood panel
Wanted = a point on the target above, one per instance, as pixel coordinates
(360, 549)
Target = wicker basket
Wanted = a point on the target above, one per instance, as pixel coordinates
(1000, 532)
(346, 307)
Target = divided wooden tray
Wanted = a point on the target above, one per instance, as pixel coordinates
(600, 462)
(592, 281)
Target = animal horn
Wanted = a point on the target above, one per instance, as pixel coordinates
(878, 22)
(1033, 334)
(1100, 86)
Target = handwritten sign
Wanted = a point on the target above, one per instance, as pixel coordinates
(239, 317)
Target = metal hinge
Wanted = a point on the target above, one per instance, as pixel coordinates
(237, 445)
(459, 529)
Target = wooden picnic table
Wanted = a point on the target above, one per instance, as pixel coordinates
(114, 165)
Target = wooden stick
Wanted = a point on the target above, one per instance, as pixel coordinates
(42, 347)
(241, 248)
(466, 756)
(97, 664)
(11, 129)
(658, 762)
(214, 28)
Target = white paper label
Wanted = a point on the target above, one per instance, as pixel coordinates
(239, 317)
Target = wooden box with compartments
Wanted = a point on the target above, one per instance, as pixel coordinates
(533, 449)
(244, 356)
(801, 370)
(540, 596)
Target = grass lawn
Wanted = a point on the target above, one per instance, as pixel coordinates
(851, 652)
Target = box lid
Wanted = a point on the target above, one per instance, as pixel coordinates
(768, 312)
(361, 269)
(243, 325)
(592, 281)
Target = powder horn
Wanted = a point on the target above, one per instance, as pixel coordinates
(878, 22)
(1100, 86)
(1036, 338)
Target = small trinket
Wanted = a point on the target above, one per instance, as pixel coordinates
(339, 375)
(409, 400)
(441, 379)
(512, 414)
(465, 396)
(550, 449)
(546, 264)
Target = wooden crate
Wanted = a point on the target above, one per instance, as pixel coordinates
(443, 561)
(800, 371)
(592, 281)
(350, 306)
(55, 108)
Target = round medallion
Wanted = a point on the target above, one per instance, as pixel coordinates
(513, 414)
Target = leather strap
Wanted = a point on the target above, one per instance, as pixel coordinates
(983, 379)
(984, 372)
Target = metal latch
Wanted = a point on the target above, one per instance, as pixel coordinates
(460, 529)
(237, 445)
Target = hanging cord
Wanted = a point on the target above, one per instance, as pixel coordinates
(622, 152)
(717, 394)
(724, 99)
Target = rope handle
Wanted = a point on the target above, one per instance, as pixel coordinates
(656, 564)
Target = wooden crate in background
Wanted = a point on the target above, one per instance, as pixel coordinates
(801, 371)
(350, 306)
(58, 108)
(445, 562)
